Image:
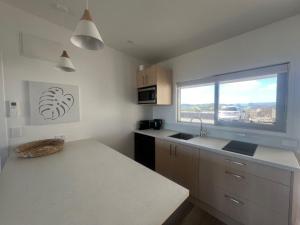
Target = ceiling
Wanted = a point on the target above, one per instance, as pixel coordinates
(154, 30)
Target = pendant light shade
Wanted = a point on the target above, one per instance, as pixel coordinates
(86, 34)
(65, 63)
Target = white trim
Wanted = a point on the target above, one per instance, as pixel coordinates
(261, 71)
(3, 133)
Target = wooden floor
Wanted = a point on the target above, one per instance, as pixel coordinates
(198, 217)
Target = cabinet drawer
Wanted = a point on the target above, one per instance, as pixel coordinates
(261, 191)
(240, 209)
(267, 172)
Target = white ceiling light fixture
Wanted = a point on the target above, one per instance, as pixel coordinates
(65, 64)
(86, 34)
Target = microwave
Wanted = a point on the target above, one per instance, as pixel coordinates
(147, 95)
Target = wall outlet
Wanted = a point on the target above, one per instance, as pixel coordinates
(290, 143)
(15, 132)
(240, 134)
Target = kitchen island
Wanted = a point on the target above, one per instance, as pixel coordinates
(86, 184)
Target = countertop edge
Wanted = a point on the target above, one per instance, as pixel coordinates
(219, 151)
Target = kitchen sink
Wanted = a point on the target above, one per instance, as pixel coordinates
(182, 136)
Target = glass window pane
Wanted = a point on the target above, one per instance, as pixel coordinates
(249, 101)
(195, 103)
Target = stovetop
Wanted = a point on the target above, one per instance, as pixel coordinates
(241, 148)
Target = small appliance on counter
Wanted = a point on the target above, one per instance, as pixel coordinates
(155, 124)
(144, 124)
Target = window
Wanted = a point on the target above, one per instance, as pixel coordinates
(249, 99)
(193, 108)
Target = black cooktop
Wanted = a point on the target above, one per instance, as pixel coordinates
(241, 148)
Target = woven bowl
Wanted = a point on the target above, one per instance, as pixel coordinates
(40, 148)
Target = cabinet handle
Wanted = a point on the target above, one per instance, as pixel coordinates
(170, 150)
(236, 163)
(234, 200)
(175, 150)
(239, 177)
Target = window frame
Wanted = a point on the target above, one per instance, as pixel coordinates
(282, 71)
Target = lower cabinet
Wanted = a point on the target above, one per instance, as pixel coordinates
(178, 163)
(228, 185)
(247, 192)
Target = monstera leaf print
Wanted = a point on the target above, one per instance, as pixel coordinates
(54, 103)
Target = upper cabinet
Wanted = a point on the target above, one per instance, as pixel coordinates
(148, 77)
(158, 77)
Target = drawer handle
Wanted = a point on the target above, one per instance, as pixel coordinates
(239, 177)
(234, 200)
(236, 163)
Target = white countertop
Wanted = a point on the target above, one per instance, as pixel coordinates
(279, 158)
(86, 184)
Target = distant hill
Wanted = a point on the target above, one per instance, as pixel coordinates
(210, 107)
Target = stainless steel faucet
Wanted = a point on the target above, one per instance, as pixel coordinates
(203, 131)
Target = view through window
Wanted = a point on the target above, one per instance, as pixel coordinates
(197, 103)
(250, 101)
(255, 99)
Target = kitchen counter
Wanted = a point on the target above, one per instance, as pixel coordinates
(87, 183)
(279, 158)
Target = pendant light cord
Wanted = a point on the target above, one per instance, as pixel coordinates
(87, 4)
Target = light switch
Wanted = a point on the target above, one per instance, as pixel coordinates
(290, 143)
(13, 109)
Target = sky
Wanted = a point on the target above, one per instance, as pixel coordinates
(250, 91)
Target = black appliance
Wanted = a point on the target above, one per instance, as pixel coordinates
(157, 124)
(144, 124)
(147, 95)
(241, 148)
(144, 150)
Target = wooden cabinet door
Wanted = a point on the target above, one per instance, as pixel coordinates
(151, 76)
(140, 79)
(163, 159)
(178, 163)
(185, 167)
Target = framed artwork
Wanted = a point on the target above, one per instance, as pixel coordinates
(53, 103)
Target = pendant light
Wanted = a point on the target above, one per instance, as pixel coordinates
(65, 63)
(86, 34)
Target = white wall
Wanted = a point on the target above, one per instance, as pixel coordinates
(275, 43)
(106, 80)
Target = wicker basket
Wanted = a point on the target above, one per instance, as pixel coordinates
(40, 148)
